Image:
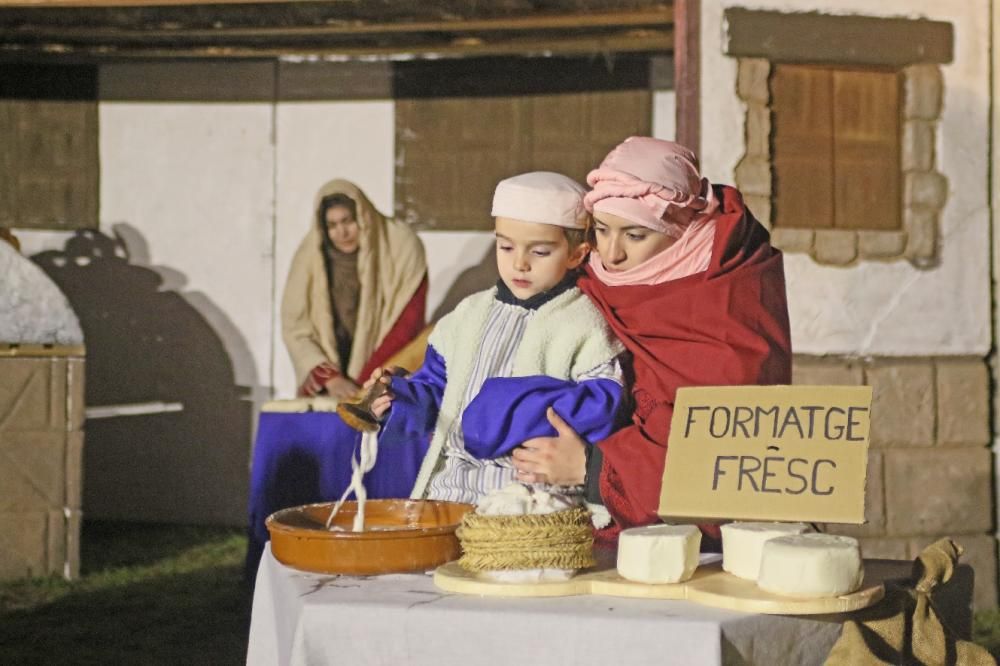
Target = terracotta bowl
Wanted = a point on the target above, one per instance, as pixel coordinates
(400, 535)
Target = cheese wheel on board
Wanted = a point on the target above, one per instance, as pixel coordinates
(659, 553)
(742, 543)
(810, 566)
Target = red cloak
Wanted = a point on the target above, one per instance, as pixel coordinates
(725, 326)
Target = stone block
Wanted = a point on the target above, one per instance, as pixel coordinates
(760, 206)
(835, 246)
(903, 410)
(819, 371)
(925, 188)
(758, 130)
(963, 403)
(884, 548)
(921, 234)
(753, 176)
(923, 90)
(881, 244)
(874, 525)
(917, 151)
(938, 491)
(24, 544)
(751, 80)
(980, 552)
(793, 240)
(32, 475)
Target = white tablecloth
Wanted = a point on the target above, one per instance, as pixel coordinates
(403, 619)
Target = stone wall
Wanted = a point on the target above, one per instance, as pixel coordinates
(930, 468)
(41, 450)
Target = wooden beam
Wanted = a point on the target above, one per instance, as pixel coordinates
(687, 63)
(86, 4)
(639, 19)
(628, 42)
(813, 38)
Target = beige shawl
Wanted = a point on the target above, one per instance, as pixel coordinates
(391, 265)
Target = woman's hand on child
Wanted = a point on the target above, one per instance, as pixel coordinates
(341, 387)
(560, 460)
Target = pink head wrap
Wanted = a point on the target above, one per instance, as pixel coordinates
(651, 182)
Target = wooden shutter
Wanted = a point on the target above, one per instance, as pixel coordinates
(48, 147)
(836, 143)
(451, 152)
(866, 150)
(448, 154)
(802, 107)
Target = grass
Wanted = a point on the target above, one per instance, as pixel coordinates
(148, 594)
(162, 594)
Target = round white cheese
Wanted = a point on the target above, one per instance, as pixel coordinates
(808, 566)
(659, 553)
(742, 543)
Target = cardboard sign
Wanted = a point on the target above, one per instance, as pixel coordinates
(790, 453)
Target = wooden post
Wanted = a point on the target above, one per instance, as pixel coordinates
(687, 72)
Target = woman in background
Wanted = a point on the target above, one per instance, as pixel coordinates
(356, 293)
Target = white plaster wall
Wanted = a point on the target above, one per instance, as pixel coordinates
(449, 253)
(883, 308)
(195, 181)
(664, 114)
(34, 241)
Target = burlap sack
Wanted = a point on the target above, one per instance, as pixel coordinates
(904, 629)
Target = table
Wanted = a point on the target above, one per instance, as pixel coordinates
(305, 457)
(403, 619)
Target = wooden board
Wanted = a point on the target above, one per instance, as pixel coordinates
(609, 583)
(738, 594)
(710, 586)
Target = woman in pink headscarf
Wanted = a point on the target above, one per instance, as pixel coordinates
(690, 284)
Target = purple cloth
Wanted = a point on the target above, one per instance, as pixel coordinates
(300, 458)
(508, 411)
(505, 413)
(416, 403)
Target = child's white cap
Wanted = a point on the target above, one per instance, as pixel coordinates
(544, 197)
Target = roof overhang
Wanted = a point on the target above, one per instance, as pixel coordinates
(96, 30)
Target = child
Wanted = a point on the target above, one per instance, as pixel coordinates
(505, 355)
